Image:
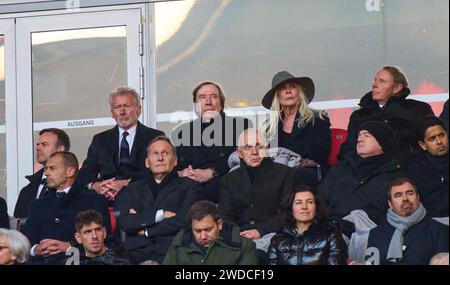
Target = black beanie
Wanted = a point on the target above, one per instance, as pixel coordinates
(425, 123)
(383, 133)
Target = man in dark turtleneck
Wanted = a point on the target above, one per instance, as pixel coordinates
(360, 181)
(153, 210)
(250, 196)
(204, 145)
(429, 170)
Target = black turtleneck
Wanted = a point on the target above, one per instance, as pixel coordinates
(251, 172)
(155, 187)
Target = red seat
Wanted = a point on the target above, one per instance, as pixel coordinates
(338, 136)
(113, 219)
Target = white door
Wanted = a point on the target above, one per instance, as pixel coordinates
(66, 66)
(8, 139)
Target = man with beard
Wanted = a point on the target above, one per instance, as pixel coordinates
(153, 210)
(50, 224)
(429, 170)
(91, 234)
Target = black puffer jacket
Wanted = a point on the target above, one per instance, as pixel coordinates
(321, 244)
(399, 113)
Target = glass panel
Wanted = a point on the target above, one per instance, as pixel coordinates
(2, 120)
(340, 44)
(73, 72)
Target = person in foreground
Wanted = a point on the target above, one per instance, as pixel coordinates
(211, 241)
(410, 236)
(307, 238)
(14, 247)
(90, 235)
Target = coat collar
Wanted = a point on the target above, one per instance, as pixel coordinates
(35, 179)
(367, 101)
(228, 238)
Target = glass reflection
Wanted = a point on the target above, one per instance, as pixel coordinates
(2, 120)
(241, 44)
(74, 70)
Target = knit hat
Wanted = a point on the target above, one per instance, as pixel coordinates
(383, 133)
(425, 123)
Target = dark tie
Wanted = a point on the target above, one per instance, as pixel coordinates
(61, 194)
(124, 150)
(44, 188)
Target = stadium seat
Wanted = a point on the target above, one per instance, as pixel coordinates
(338, 136)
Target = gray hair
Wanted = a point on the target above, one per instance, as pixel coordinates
(124, 90)
(18, 244)
(440, 259)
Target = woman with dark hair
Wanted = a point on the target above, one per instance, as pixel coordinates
(307, 238)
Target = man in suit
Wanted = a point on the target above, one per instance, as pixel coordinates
(204, 145)
(49, 141)
(50, 226)
(117, 156)
(153, 210)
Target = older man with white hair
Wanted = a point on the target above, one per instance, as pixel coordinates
(14, 247)
(250, 196)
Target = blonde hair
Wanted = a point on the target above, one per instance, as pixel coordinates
(269, 127)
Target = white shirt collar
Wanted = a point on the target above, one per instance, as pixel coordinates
(65, 190)
(131, 131)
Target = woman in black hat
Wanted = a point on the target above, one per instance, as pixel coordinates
(295, 126)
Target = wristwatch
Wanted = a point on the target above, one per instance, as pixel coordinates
(146, 232)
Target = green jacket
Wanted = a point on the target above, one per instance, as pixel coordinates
(228, 249)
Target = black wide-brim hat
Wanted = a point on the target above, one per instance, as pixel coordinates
(284, 76)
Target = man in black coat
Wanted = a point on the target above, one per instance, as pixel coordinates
(204, 145)
(387, 103)
(429, 169)
(250, 196)
(409, 236)
(117, 156)
(360, 181)
(153, 210)
(49, 141)
(50, 226)
(4, 218)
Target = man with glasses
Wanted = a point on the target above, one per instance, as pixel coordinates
(250, 195)
(153, 210)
